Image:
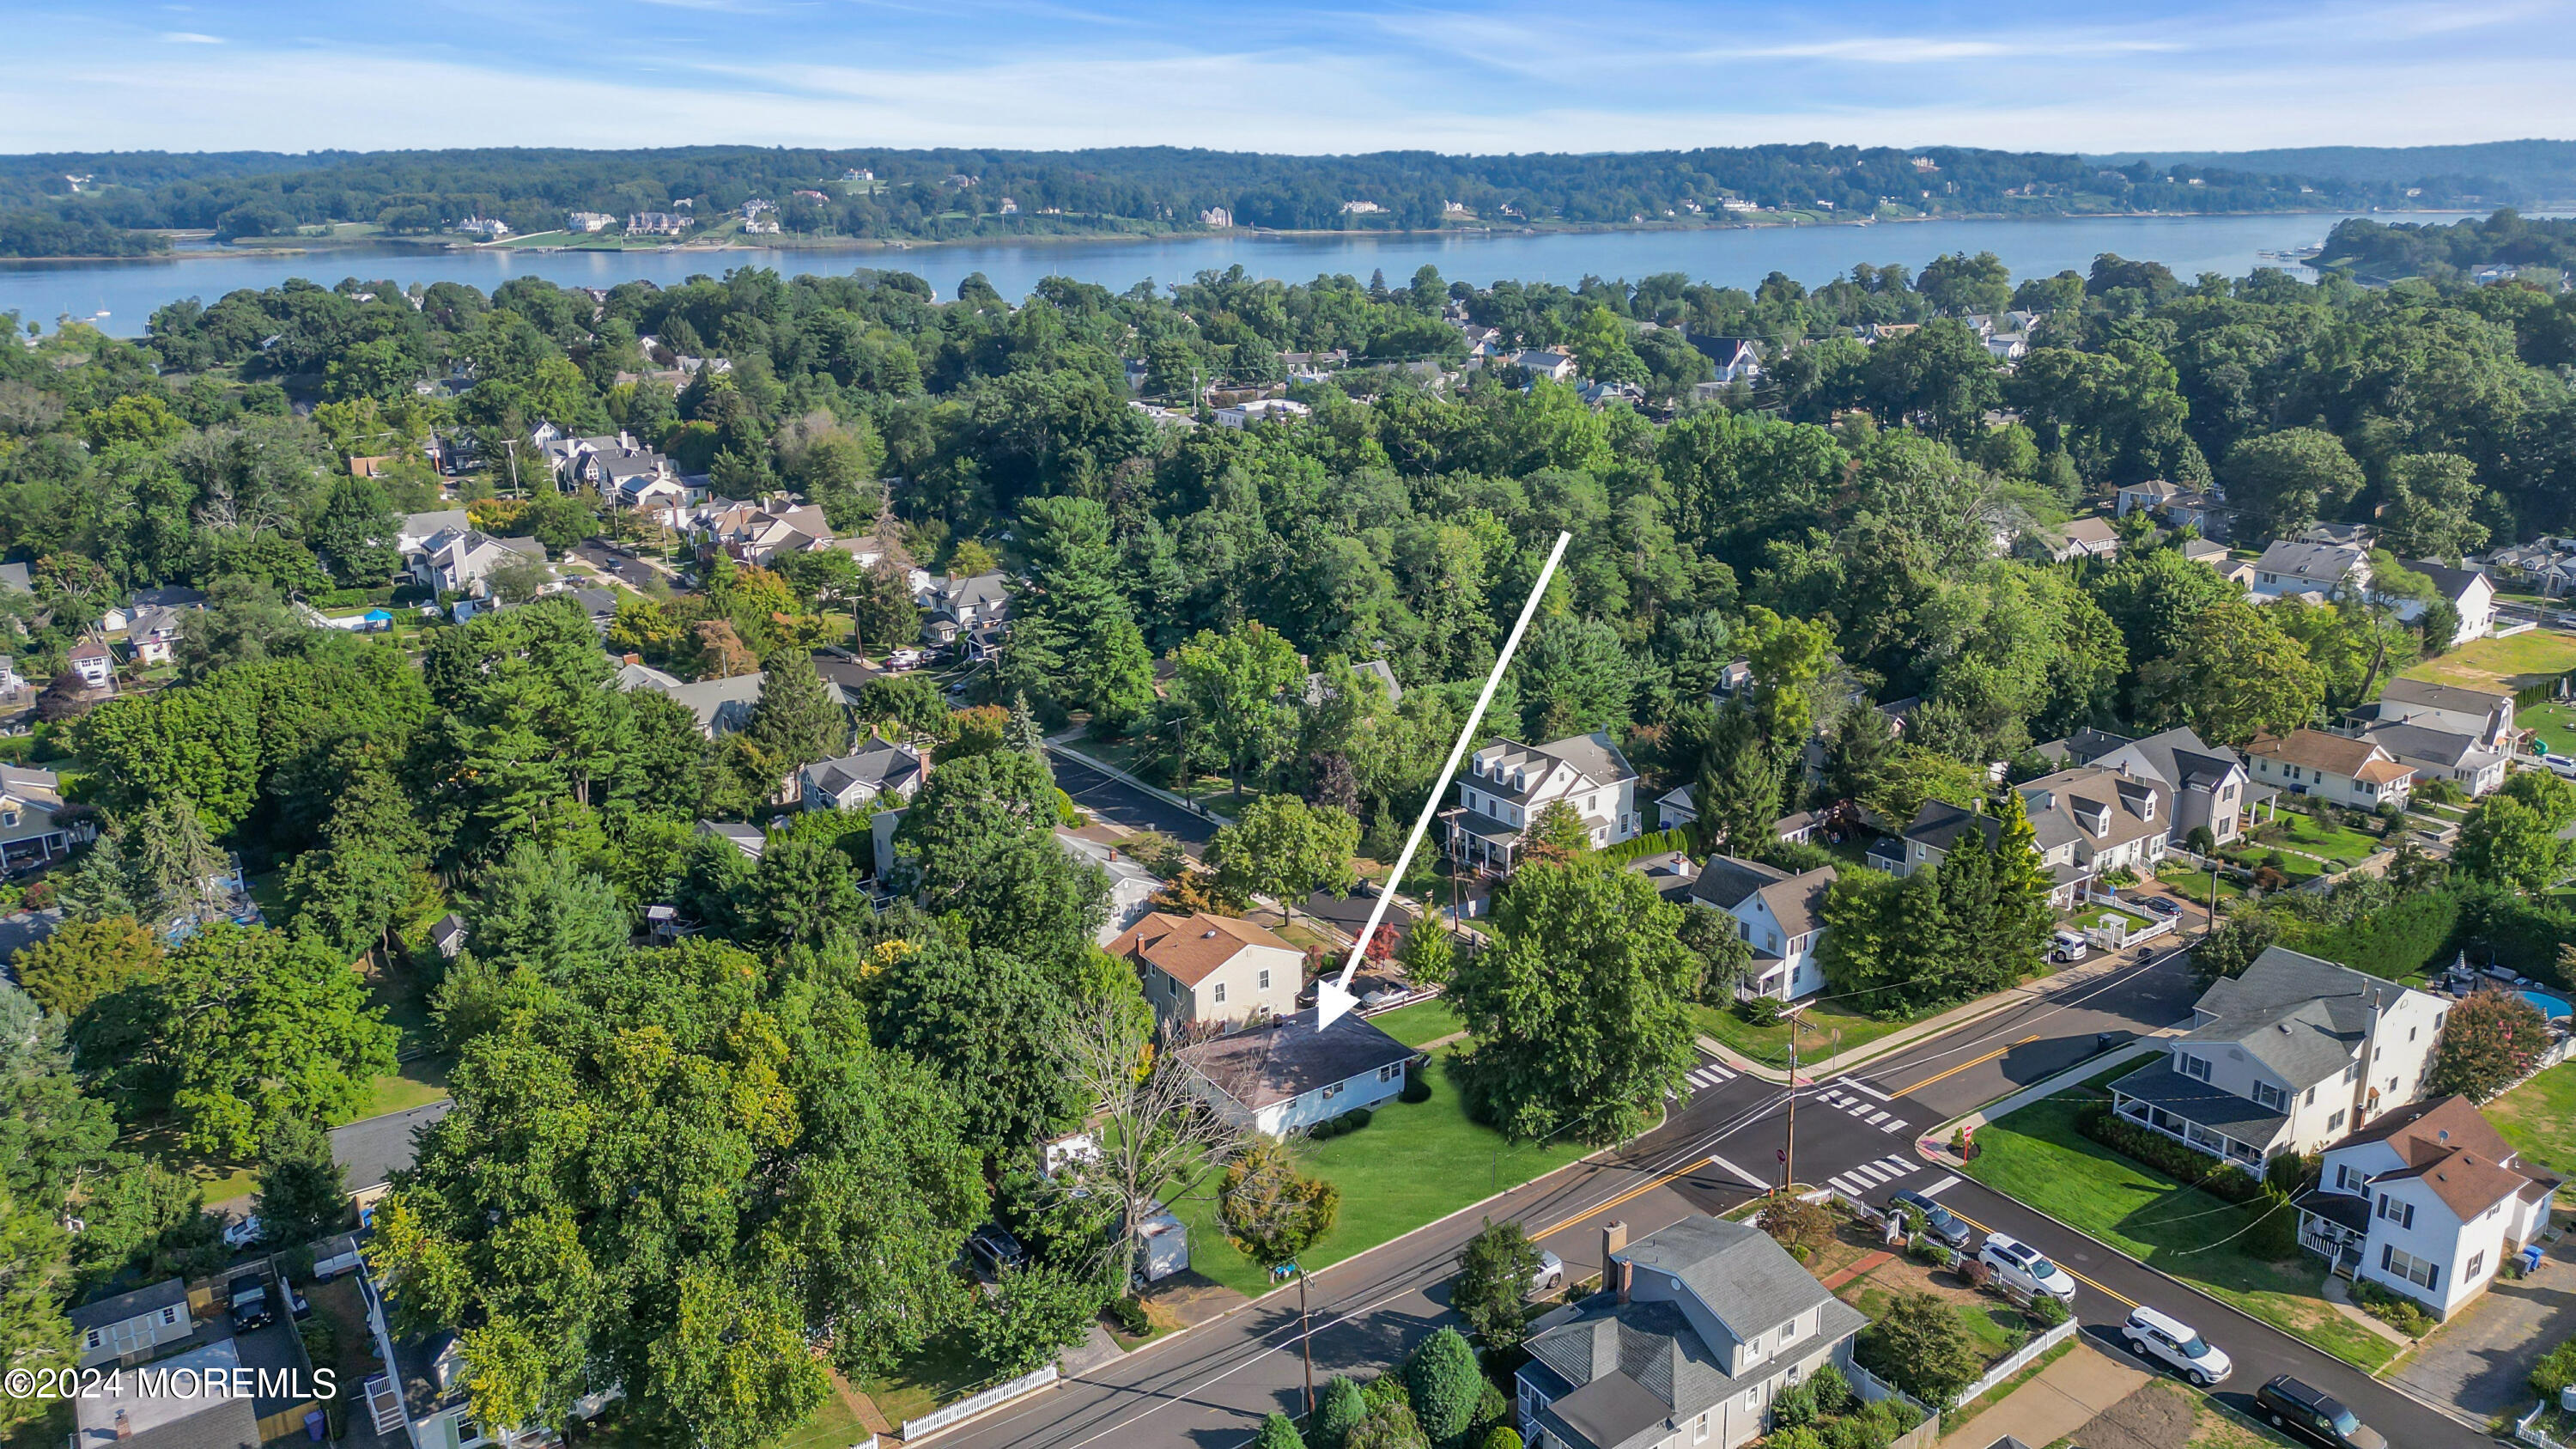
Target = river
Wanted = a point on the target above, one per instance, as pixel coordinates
(127, 291)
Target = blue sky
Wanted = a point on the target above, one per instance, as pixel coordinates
(1500, 76)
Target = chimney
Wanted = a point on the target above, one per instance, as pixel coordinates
(1614, 1239)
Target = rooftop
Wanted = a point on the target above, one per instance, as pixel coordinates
(1188, 949)
(1263, 1065)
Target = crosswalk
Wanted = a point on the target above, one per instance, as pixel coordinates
(1707, 1074)
(1860, 1181)
(1870, 1108)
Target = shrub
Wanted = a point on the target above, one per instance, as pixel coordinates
(1921, 1347)
(1338, 1410)
(2394, 1309)
(1975, 1272)
(1357, 1118)
(1797, 1223)
(2273, 1232)
(1417, 1088)
(1502, 1436)
(1930, 1253)
(1761, 1010)
(2048, 1311)
(2220, 1180)
(2555, 1371)
(1132, 1318)
(1278, 1432)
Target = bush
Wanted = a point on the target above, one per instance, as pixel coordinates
(1132, 1318)
(1797, 1223)
(1329, 1127)
(1357, 1118)
(1921, 1347)
(1338, 1410)
(2048, 1311)
(2220, 1180)
(1975, 1272)
(321, 1339)
(1932, 1254)
(2272, 1233)
(2555, 1371)
(1445, 1385)
(1417, 1087)
(2394, 1309)
(1761, 1010)
(1503, 1436)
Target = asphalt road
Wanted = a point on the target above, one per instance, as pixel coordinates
(1721, 1144)
(1120, 803)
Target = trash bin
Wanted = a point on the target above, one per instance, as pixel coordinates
(313, 1426)
(2531, 1258)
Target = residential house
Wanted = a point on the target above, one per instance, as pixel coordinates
(721, 705)
(420, 1400)
(1737, 359)
(2428, 1202)
(2289, 1057)
(2471, 595)
(1778, 915)
(1697, 1330)
(2215, 556)
(1254, 411)
(568, 456)
(1375, 671)
(2339, 535)
(154, 635)
(36, 824)
(1131, 886)
(187, 1402)
(1554, 366)
(371, 1150)
(132, 1328)
(412, 537)
(754, 533)
(634, 478)
(2547, 565)
(11, 681)
(1679, 806)
(966, 608)
(447, 935)
(2208, 787)
(1508, 784)
(2436, 754)
(90, 660)
(751, 840)
(2081, 538)
(462, 561)
(2291, 569)
(1207, 970)
(655, 223)
(2483, 715)
(2093, 821)
(2175, 506)
(120, 619)
(880, 770)
(1288, 1074)
(2353, 772)
(1928, 838)
(589, 221)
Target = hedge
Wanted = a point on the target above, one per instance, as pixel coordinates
(2405, 938)
(2227, 1181)
(1644, 845)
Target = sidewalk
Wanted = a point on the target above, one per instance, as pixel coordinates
(1930, 1026)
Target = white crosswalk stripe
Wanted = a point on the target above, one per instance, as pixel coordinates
(1857, 1085)
(1897, 1165)
(1878, 1116)
(1843, 1185)
(1858, 1106)
(1948, 1181)
(1871, 1173)
(1892, 1124)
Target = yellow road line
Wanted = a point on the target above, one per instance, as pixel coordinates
(1963, 1066)
(1702, 1165)
(2078, 1277)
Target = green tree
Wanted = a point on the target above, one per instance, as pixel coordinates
(85, 960)
(1578, 1008)
(1574, 676)
(2489, 1042)
(1338, 1410)
(2508, 841)
(259, 1027)
(796, 721)
(1737, 792)
(1269, 1213)
(2228, 950)
(883, 614)
(1278, 1431)
(1921, 1347)
(803, 894)
(1036, 1310)
(51, 1133)
(1233, 683)
(34, 1277)
(173, 871)
(2433, 506)
(1492, 1288)
(542, 911)
(1445, 1385)
(302, 1192)
(355, 533)
(985, 1017)
(2282, 482)
(146, 1222)
(1283, 848)
(2234, 675)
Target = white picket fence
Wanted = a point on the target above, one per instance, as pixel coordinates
(2021, 1358)
(969, 1407)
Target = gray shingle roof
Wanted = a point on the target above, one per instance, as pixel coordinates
(1794, 899)
(2299, 1016)
(1745, 1277)
(149, 1299)
(2443, 696)
(2418, 742)
(2194, 1101)
(2324, 564)
(1285, 1060)
(371, 1150)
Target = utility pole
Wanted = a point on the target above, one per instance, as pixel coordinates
(1305, 1337)
(1789, 1149)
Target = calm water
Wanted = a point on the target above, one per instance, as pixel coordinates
(128, 291)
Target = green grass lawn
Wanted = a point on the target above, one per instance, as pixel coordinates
(2346, 846)
(1822, 1033)
(418, 1082)
(944, 1369)
(1997, 1326)
(2556, 724)
(1423, 1021)
(2036, 1157)
(2195, 883)
(832, 1425)
(2296, 867)
(1413, 1163)
(2539, 1119)
(2092, 916)
(2503, 664)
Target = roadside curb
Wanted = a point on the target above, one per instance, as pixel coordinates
(1122, 777)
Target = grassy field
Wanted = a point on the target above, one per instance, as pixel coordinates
(2556, 724)
(2503, 664)
(2195, 883)
(1819, 1028)
(1423, 1021)
(419, 1082)
(2036, 1156)
(2539, 1119)
(1413, 1163)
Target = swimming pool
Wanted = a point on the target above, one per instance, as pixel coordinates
(2553, 1007)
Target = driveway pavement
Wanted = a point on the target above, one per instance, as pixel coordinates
(2062, 1399)
(2480, 1359)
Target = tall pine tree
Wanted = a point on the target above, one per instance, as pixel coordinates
(796, 722)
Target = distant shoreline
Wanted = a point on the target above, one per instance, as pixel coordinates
(320, 247)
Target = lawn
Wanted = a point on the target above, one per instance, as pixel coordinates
(2556, 724)
(1413, 1163)
(2503, 664)
(2195, 883)
(943, 1371)
(1422, 1022)
(2347, 847)
(415, 1083)
(2037, 1157)
(2131, 921)
(2539, 1119)
(1822, 1033)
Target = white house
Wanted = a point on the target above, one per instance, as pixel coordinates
(2440, 755)
(90, 660)
(1131, 886)
(1206, 970)
(32, 824)
(2428, 1201)
(2353, 772)
(1288, 1075)
(462, 560)
(1508, 784)
(2471, 594)
(1697, 1330)
(878, 771)
(963, 605)
(2293, 1055)
(1262, 410)
(421, 1395)
(154, 634)
(2289, 568)
(2482, 715)
(133, 1327)
(2081, 538)
(1554, 366)
(121, 618)
(1778, 915)
(1737, 359)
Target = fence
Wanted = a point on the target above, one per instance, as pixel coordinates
(2527, 1428)
(2020, 1358)
(1873, 1388)
(968, 1407)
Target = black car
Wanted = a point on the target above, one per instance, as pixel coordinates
(1939, 1221)
(992, 1249)
(2314, 1416)
(251, 1305)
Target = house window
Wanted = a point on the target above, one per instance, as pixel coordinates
(1699, 1428)
(2400, 1213)
(169, 1317)
(1753, 1397)
(2335, 1123)
(1265, 980)
(90, 1339)
(1332, 1091)
(1219, 996)
(2477, 1262)
(2269, 1096)
(2438, 1019)
(2310, 1099)
(2196, 1068)
(1389, 1074)
(2422, 1272)
(2349, 1180)
(1788, 1333)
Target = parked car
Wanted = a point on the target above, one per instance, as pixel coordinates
(2161, 1336)
(2561, 765)
(2070, 947)
(1550, 1275)
(251, 1308)
(991, 1250)
(2026, 1268)
(2315, 1416)
(1939, 1221)
(243, 1234)
(2162, 906)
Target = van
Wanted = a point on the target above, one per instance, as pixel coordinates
(2070, 946)
(2155, 1335)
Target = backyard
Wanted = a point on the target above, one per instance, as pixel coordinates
(2037, 1156)
(1422, 1023)
(1413, 1163)
(2556, 724)
(2194, 884)
(2503, 664)
(2539, 1119)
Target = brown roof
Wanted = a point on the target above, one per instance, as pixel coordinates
(2382, 772)
(1187, 949)
(2453, 1150)
(2319, 751)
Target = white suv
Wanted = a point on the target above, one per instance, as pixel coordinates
(2157, 1335)
(2026, 1268)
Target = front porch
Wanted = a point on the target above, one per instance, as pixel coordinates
(1482, 843)
(2333, 1225)
(2230, 1128)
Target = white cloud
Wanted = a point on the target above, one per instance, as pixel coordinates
(190, 37)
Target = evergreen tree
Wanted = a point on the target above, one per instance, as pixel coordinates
(1444, 1384)
(1022, 733)
(1738, 789)
(1278, 1432)
(2023, 915)
(302, 1194)
(1338, 1410)
(796, 723)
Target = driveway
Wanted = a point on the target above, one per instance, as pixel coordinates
(2480, 1359)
